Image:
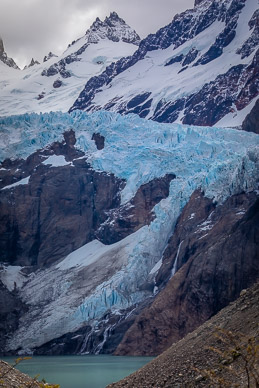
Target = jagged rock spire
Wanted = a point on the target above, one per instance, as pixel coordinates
(4, 58)
(50, 55)
(114, 28)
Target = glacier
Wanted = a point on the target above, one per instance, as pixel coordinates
(221, 162)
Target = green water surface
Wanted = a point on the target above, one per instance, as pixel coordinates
(80, 371)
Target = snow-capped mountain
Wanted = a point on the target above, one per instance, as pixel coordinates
(201, 69)
(119, 233)
(85, 223)
(55, 84)
(4, 58)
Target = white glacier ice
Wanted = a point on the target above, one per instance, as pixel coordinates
(96, 278)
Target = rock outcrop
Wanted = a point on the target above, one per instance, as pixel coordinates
(11, 309)
(211, 257)
(58, 210)
(32, 63)
(4, 58)
(251, 122)
(128, 218)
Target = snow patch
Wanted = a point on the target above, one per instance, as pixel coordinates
(23, 181)
(56, 161)
(12, 277)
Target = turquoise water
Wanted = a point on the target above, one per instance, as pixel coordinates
(81, 371)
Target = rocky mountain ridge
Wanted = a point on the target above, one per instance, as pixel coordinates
(187, 52)
(112, 28)
(55, 84)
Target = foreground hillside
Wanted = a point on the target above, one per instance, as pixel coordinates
(185, 363)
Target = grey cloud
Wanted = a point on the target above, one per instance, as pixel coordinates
(32, 28)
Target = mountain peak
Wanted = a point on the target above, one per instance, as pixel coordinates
(50, 55)
(113, 28)
(114, 15)
(4, 58)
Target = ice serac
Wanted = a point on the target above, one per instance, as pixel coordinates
(95, 289)
(200, 68)
(4, 58)
(215, 253)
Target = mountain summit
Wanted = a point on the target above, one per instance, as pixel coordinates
(199, 69)
(57, 82)
(113, 28)
(4, 58)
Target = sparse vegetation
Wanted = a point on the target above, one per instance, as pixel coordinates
(12, 378)
(238, 360)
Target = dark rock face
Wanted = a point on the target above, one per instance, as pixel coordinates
(214, 100)
(238, 86)
(189, 58)
(99, 140)
(227, 35)
(214, 262)
(59, 209)
(62, 208)
(197, 2)
(11, 309)
(136, 213)
(4, 58)
(177, 58)
(57, 83)
(251, 122)
(251, 43)
(33, 62)
(47, 57)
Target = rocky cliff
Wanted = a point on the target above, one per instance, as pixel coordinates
(251, 122)
(211, 257)
(4, 58)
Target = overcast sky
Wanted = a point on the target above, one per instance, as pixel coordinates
(32, 28)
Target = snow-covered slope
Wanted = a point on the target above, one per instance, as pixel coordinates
(55, 84)
(96, 279)
(200, 68)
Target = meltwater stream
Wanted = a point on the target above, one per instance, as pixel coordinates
(80, 371)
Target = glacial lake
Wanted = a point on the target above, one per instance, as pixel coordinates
(80, 371)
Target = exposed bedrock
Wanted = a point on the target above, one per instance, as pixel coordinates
(11, 309)
(215, 253)
(251, 122)
(136, 213)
